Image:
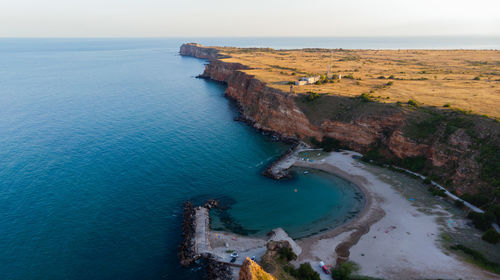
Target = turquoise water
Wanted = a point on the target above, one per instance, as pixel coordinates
(101, 143)
(102, 140)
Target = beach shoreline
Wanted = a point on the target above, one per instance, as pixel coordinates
(394, 234)
(388, 237)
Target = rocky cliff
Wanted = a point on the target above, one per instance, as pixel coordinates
(384, 130)
(250, 270)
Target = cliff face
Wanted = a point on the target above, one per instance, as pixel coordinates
(250, 270)
(196, 50)
(273, 110)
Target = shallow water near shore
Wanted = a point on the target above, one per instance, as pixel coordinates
(102, 140)
(303, 206)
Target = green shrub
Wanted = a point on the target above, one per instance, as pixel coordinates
(389, 84)
(478, 258)
(287, 254)
(437, 191)
(459, 203)
(373, 155)
(381, 77)
(495, 209)
(413, 103)
(365, 97)
(447, 105)
(312, 95)
(328, 144)
(414, 164)
(477, 78)
(489, 157)
(481, 221)
(344, 271)
(426, 181)
(491, 236)
(425, 128)
(304, 272)
(476, 199)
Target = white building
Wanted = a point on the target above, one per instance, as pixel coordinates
(307, 80)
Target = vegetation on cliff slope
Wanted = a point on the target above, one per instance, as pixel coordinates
(277, 259)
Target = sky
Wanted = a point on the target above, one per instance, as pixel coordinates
(235, 18)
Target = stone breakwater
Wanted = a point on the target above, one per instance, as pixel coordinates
(196, 245)
(211, 249)
(186, 249)
(279, 168)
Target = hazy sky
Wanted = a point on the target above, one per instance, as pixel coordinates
(164, 18)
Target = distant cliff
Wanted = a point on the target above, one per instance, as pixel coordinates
(448, 146)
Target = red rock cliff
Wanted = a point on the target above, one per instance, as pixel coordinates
(277, 111)
(274, 110)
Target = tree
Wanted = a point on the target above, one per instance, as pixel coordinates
(344, 271)
(491, 236)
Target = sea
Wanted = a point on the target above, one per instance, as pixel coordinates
(103, 139)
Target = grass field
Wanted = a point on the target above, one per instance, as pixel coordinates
(468, 80)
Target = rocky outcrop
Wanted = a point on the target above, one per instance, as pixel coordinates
(196, 50)
(250, 270)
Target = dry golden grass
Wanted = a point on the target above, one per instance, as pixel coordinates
(431, 77)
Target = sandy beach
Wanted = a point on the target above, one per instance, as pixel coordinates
(390, 239)
(393, 237)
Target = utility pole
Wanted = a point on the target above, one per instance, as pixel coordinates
(328, 74)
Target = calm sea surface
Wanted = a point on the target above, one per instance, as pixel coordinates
(102, 140)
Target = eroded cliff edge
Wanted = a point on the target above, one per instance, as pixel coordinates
(448, 146)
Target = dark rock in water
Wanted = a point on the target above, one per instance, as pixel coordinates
(186, 249)
(211, 203)
(229, 223)
(217, 271)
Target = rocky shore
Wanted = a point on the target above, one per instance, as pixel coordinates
(217, 270)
